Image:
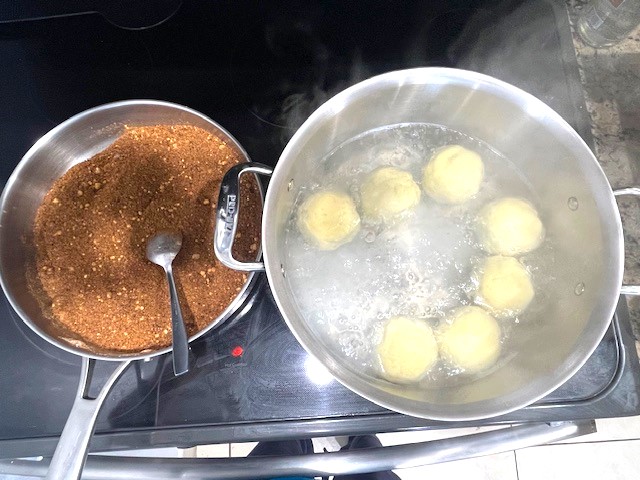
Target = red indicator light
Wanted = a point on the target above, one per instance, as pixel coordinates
(237, 351)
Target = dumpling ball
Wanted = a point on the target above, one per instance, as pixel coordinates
(388, 192)
(453, 174)
(408, 349)
(328, 219)
(470, 339)
(510, 226)
(504, 286)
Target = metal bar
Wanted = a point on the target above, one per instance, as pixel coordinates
(324, 464)
(621, 357)
(634, 191)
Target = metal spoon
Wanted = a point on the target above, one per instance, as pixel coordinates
(162, 248)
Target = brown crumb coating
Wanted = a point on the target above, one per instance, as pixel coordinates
(91, 231)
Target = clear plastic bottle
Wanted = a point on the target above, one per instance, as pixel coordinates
(606, 22)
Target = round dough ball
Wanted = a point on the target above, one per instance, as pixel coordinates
(470, 340)
(328, 219)
(505, 286)
(387, 192)
(408, 349)
(510, 226)
(453, 174)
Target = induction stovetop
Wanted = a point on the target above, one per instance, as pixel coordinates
(259, 69)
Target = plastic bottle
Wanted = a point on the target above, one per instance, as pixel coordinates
(606, 22)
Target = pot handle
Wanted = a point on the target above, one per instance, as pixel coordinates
(351, 462)
(227, 215)
(635, 191)
(71, 453)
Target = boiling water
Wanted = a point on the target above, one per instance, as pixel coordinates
(419, 266)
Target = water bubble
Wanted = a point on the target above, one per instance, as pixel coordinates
(572, 203)
(370, 236)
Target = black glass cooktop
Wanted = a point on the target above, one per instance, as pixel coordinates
(258, 68)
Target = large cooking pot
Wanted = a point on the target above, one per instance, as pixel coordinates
(576, 204)
(73, 141)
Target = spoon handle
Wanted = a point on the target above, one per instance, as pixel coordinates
(180, 341)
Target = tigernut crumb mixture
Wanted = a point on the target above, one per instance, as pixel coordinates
(93, 277)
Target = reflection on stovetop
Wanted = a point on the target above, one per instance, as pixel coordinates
(249, 371)
(272, 379)
(53, 375)
(275, 378)
(259, 68)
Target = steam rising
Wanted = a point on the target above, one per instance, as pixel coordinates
(515, 40)
(297, 107)
(520, 43)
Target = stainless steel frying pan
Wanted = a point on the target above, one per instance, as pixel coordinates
(71, 142)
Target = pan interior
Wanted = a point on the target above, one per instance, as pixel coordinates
(73, 141)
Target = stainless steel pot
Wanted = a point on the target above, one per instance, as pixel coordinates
(576, 203)
(71, 142)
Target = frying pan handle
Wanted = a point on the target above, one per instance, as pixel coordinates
(71, 452)
(227, 215)
(635, 191)
(349, 462)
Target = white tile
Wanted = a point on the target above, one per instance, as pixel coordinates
(329, 444)
(624, 428)
(585, 461)
(191, 452)
(501, 466)
(218, 450)
(242, 449)
(168, 452)
(415, 436)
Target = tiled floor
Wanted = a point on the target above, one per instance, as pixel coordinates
(613, 453)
